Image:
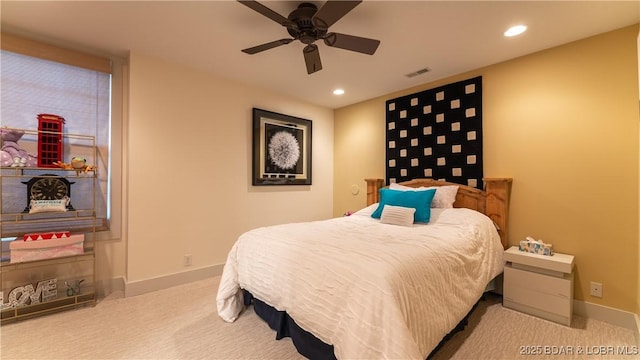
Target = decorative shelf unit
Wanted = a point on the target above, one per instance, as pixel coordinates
(47, 285)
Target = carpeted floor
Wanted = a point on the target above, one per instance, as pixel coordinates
(182, 323)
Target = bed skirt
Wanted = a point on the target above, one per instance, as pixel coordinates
(306, 343)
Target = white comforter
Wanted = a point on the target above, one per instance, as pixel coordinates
(373, 291)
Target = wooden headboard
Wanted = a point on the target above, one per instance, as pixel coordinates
(493, 201)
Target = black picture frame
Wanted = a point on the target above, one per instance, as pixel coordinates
(281, 149)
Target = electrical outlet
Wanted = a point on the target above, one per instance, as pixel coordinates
(187, 260)
(596, 289)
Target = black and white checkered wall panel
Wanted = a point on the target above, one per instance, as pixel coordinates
(437, 134)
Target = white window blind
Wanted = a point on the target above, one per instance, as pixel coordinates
(32, 86)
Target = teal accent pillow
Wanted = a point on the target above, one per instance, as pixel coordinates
(419, 200)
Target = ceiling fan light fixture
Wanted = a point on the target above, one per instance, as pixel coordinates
(338, 92)
(308, 24)
(515, 30)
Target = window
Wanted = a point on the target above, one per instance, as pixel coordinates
(77, 90)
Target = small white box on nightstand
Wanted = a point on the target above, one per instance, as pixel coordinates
(539, 285)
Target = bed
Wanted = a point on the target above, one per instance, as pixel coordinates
(364, 287)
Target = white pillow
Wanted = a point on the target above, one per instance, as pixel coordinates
(444, 198)
(397, 215)
(39, 206)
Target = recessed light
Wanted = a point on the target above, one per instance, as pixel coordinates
(338, 92)
(515, 30)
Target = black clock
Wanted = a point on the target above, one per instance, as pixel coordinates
(48, 187)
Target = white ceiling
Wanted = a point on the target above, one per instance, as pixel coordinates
(448, 37)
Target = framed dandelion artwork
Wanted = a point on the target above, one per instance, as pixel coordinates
(281, 149)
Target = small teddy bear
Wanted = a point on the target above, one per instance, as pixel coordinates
(10, 145)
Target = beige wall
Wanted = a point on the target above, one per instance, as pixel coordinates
(188, 182)
(563, 123)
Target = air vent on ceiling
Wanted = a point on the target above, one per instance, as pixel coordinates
(419, 72)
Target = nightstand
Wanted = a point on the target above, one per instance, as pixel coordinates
(539, 285)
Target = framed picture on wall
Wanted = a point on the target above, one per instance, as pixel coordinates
(281, 149)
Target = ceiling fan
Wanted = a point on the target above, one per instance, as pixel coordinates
(308, 24)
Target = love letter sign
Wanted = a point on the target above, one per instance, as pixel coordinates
(25, 295)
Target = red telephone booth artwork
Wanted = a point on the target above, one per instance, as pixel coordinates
(50, 144)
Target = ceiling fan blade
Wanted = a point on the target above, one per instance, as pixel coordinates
(266, 12)
(353, 43)
(331, 12)
(312, 58)
(267, 46)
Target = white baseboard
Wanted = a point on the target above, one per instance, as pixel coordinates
(637, 329)
(134, 288)
(607, 314)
